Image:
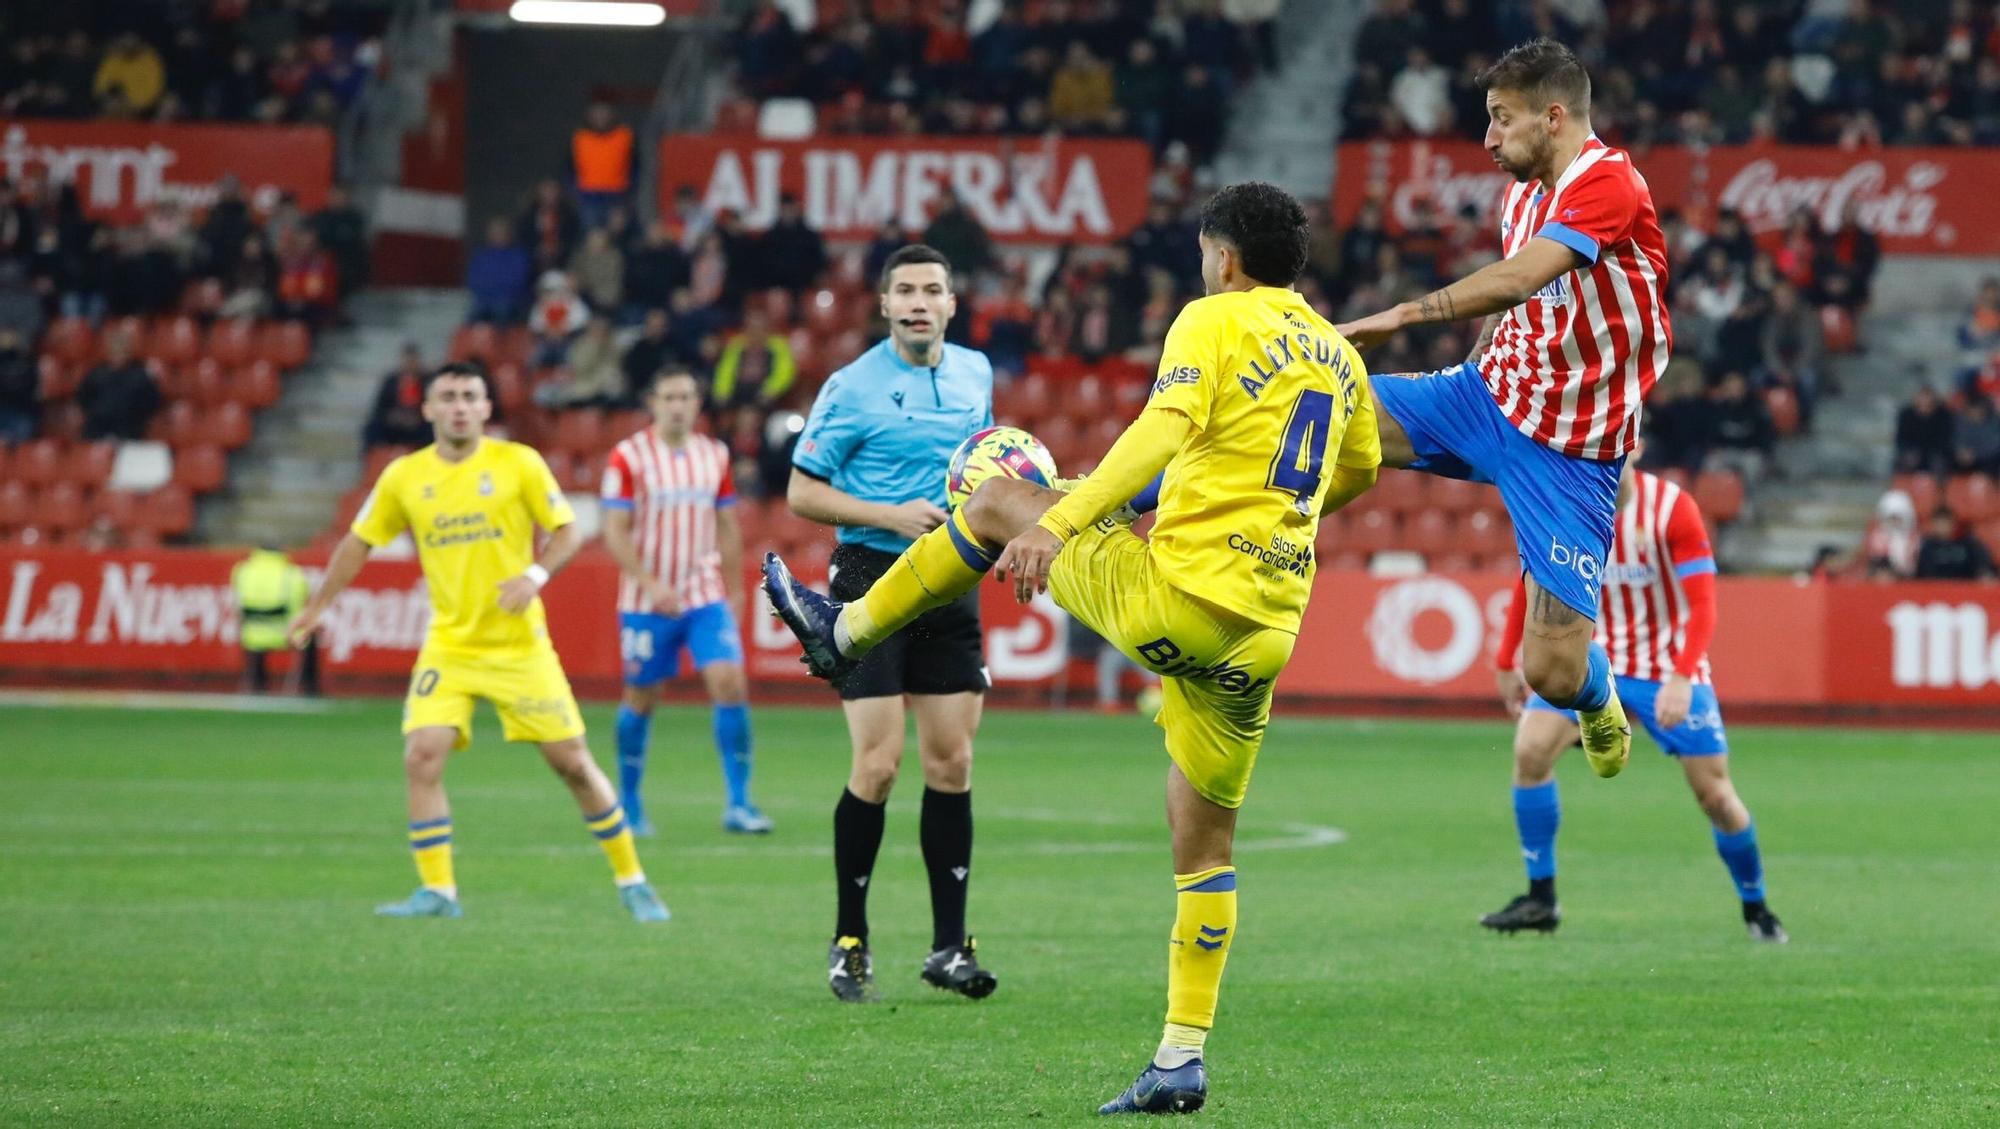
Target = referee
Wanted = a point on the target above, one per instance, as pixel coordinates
(872, 461)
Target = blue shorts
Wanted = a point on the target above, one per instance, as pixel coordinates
(1564, 509)
(1698, 735)
(651, 643)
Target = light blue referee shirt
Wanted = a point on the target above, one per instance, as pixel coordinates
(884, 430)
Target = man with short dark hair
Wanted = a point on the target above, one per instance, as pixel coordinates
(872, 461)
(118, 397)
(1259, 421)
(1951, 552)
(1547, 407)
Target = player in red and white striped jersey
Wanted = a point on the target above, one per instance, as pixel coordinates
(1547, 406)
(1658, 617)
(670, 523)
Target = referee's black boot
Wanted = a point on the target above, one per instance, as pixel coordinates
(850, 971)
(808, 615)
(1526, 912)
(955, 968)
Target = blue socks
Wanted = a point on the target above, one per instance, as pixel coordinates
(1596, 683)
(1746, 866)
(732, 745)
(635, 731)
(1537, 814)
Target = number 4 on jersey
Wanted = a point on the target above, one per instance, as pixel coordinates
(1301, 457)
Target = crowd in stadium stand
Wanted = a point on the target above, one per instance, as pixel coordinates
(231, 62)
(1163, 72)
(1860, 74)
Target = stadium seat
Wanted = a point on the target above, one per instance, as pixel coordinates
(1922, 489)
(39, 462)
(822, 313)
(201, 468)
(1371, 531)
(72, 341)
(121, 506)
(517, 346)
(1508, 562)
(473, 342)
(1102, 435)
(174, 341)
(1345, 560)
(202, 382)
(510, 388)
(63, 420)
(167, 512)
(623, 423)
(1085, 398)
(586, 473)
(580, 431)
(135, 331)
(1972, 498)
(176, 425)
(256, 385)
(203, 298)
(16, 503)
(1838, 327)
(1989, 532)
(1783, 405)
(286, 344)
(59, 379)
(229, 342)
(1399, 491)
(1486, 532)
(1453, 562)
(1431, 533)
(62, 505)
(89, 464)
(227, 426)
(1719, 493)
(1455, 495)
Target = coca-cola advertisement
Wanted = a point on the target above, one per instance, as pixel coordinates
(120, 169)
(1917, 201)
(1029, 190)
(169, 614)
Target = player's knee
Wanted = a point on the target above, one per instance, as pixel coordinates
(730, 688)
(1534, 761)
(873, 779)
(572, 763)
(1717, 798)
(638, 701)
(424, 756)
(949, 769)
(991, 509)
(1556, 677)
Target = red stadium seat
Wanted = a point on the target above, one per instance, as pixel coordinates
(1346, 560)
(822, 313)
(39, 462)
(1508, 563)
(579, 431)
(61, 506)
(1922, 489)
(1486, 532)
(1085, 398)
(1371, 531)
(59, 379)
(562, 464)
(16, 504)
(1972, 497)
(72, 341)
(1455, 495)
(256, 385)
(177, 425)
(805, 353)
(174, 341)
(1453, 562)
(510, 388)
(473, 342)
(167, 512)
(202, 382)
(286, 344)
(1838, 326)
(227, 426)
(1399, 490)
(1784, 408)
(201, 469)
(1719, 493)
(89, 464)
(121, 506)
(517, 346)
(623, 423)
(63, 420)
(1431, 533)
(133, 329)
(585, 474)
(203, 298)
(229, 342)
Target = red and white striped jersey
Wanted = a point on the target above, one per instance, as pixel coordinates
(1570, 365)
(1660, 545)
(673, 493)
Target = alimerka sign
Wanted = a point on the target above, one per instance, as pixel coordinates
(1090, 191)
(122, 168)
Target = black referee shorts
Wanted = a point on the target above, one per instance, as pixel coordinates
(940, 652)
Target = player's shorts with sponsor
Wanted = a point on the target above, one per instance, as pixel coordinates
(1217, 668)
(527, 688)
(940, 652)
(1564, 509)
(650, 644)
(1698, 735)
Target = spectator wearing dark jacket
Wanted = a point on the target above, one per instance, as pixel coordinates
(1950, 552)
(656, 269)
(792, 255)
(20, 389)
(960, 238)
(20, 306)
(550, 227)
(1975, 440)
(118, 397)
(1923, 434)
(397, 417)
(498, 277)
(647, 355)
(343, 231)
(1740, 432)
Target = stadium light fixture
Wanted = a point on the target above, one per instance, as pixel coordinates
(588, 13)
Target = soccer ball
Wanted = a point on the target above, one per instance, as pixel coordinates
(1007, 452)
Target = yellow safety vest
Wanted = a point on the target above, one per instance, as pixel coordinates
(270, 590)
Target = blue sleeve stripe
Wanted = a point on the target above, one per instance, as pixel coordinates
(1696, 567)
(1571, 238)
(615, 503)
(725, 503)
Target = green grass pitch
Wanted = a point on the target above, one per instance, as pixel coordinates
(185, 935)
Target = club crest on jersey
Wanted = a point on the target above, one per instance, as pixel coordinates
(485, 484)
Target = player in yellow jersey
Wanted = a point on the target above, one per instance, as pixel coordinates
(472, 504)
(1260, 419)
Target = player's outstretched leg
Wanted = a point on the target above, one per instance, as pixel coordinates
(572, 761)
(1541, 736)
(1563, 665)
(424, 753)
(1736, 841)
(936, 569)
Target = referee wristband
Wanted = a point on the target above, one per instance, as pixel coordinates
(537, 575)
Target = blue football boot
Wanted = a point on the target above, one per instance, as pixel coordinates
(643, 903)
(1159, 1090)
(808, 615)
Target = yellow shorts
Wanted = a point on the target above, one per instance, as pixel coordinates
(528, 688)
(1216, 667)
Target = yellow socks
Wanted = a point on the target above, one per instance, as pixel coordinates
(616, 839)
(1204, 926)
(936, 569)
(430, 842)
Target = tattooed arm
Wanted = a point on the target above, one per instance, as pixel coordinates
(1491, 289)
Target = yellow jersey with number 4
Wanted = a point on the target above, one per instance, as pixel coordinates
(1278, 398)
(474, 524)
